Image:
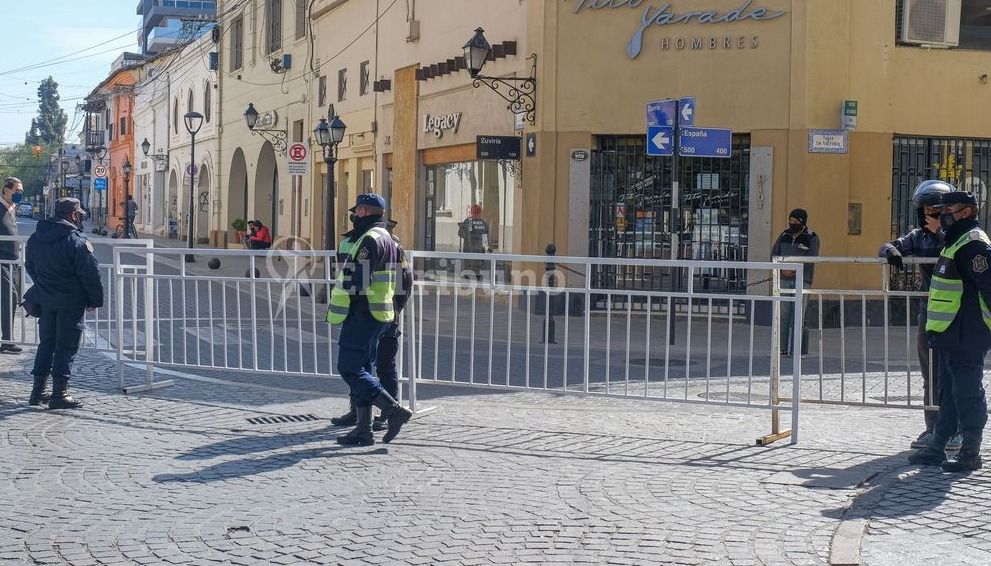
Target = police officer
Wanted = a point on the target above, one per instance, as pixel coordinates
(959, 327)
(924, 241)
(797, 240)
(388, 346)
(67, 283)
(362, 303)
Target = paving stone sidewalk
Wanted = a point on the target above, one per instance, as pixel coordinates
(181, 476)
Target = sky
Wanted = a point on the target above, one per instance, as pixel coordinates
(81, 38)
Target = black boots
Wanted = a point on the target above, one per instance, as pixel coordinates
(60, 395)
(361, 434)
(965, 461)
(927, 456)
(38, 395)
(393, 412)
(349, 418)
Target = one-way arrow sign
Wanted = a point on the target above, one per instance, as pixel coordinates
(687, 105)
(660, 141)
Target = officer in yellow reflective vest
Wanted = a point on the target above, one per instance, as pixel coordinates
(362, 303)
(959, 328)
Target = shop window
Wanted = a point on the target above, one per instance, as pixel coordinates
(469, 206)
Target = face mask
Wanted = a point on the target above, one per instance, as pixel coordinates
(354, 218)
(794, 228)
(16, 197)
(946, 221)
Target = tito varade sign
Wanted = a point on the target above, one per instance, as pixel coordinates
(664, 15)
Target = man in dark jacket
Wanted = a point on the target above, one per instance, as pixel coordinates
(959, 327)
(10, 273)
(67, 283)
(797, 240)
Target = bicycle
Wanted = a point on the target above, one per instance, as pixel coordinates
(132, 232)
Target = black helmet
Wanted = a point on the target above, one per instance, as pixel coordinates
(928, 193)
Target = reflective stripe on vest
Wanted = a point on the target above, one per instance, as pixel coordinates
(380, 291)
(946, 288)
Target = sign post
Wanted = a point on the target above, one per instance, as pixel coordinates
(299, 159)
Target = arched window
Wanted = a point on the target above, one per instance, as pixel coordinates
(206, 102)
(175, 116)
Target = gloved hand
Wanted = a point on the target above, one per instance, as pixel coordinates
(895, 258)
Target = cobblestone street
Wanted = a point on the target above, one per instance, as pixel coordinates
(181, 476)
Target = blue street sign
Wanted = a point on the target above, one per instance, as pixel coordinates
(661, 113)
(706, 142)
(686, 112)
(660, 141)
(100, 183)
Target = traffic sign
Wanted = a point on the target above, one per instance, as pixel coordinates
(706, 142)
(686, 111)
(660, 141)
(299, 162)
(191, 170)
(100, 184)
(100, 171)
(661, 113)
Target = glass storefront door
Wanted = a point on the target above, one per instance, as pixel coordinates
(470, 206)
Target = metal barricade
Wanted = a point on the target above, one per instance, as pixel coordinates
(505, 322)
(864, 345)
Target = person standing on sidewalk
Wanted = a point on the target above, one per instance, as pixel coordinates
(924, 241)
(67, 283)
(10, 272)
(797, 240)
(388, 347)
(959, 327)
(362, 303)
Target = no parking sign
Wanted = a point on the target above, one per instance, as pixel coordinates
(299, 159)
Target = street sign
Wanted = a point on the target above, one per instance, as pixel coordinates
(660, 141)
(497, 147)
(828, 141)
(848, 118)
(686, 111)
(299, 162)
(661, 113)
(100, 171)
(706, 142)
(99, 183)
(191, 170)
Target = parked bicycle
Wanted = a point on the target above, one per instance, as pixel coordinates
(132, 232)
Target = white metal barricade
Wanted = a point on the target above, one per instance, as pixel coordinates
(864, 344)
(544, 323)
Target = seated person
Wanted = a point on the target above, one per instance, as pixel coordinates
(261, 239)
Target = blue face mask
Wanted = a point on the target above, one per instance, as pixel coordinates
(16, 198)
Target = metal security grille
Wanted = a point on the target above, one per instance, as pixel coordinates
(631, 214)
(964, 162)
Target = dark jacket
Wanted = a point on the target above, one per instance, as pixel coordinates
(805, 243)
(919, 243)
(973, 263)
(61, 263)
(373, 255)
(8, 227)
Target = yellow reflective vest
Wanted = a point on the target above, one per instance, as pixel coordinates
(379, 292)
(946, 289)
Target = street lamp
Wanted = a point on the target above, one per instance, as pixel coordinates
(194, 121)
(79, 176)
(101, 154)
(279, 138)
(127, 191)
(160, 158)
(329, 136)
(521, 92)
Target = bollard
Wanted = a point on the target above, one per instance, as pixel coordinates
(549, 272)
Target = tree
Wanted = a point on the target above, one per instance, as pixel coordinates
(49, 127)
(24, 162)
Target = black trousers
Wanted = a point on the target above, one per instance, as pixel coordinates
(963, 405)
(385, 360)
(10, 293)
(60, 331)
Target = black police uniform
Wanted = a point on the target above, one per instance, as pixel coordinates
(388, 346)
(66, 278)
(788, 244)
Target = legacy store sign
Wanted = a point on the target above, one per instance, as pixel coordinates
(664, 14)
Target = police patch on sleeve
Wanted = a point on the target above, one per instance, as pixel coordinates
(362, 254)
(89, 246)
(980, 264)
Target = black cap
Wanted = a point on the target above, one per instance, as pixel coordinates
(369, 199)
(957, 197)
(799, 214)
(66, 206)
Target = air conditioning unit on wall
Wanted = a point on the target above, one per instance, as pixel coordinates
(931, 22)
